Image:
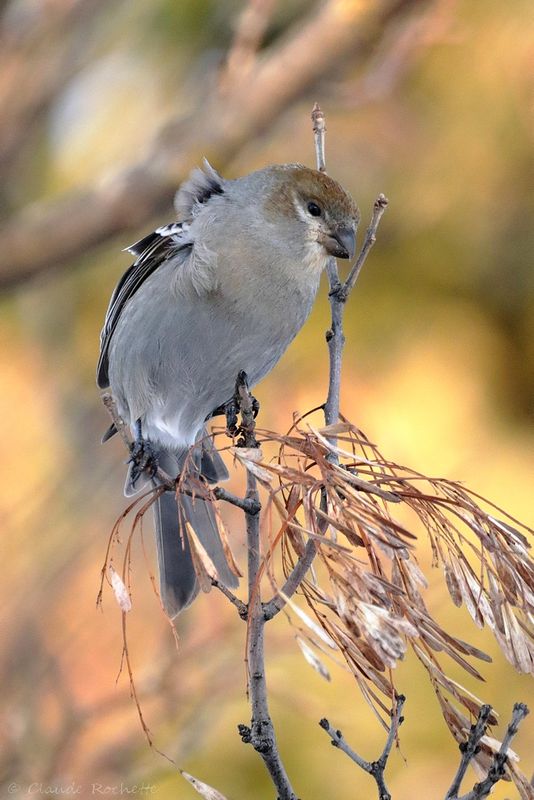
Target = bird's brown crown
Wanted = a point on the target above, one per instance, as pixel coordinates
(310, 185)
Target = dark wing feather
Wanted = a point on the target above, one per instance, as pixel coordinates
(151, 251)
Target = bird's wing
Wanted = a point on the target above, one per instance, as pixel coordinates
(151, 252)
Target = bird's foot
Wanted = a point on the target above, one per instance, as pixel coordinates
(230, 412)
(249, 407)
(143, 459)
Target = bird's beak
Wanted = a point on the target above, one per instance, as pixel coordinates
(341, 243)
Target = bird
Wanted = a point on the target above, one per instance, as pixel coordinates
(220, 291)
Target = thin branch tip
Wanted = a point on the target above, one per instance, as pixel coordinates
(381, 201)
(319, 130)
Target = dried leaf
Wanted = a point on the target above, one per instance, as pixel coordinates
(452, 585)
(365, 486)
(122, 596)
(207, 792)
(523, 785)
(520, 541)
(495, 745)
(223, 535)
(318, 631)
(204, 567)
(313, 659)
(385, 632)
(519, 650)
(351, 535)
(250, 458)
(334, 430)
(465, 580)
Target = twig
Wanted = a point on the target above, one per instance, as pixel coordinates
(239, 604)
(293, 581)
(319, 130)
(471, 747)
(261, 733)
(374, 768)
(250, 506)
(379, 207)
(335, 339)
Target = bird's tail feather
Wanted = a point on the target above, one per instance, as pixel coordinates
(178, 582)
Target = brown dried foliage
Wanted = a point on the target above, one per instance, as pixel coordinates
(365, 590)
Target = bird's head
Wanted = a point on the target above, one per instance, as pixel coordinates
(315, 207)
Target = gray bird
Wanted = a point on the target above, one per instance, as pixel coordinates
(224, 289)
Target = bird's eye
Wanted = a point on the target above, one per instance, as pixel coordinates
(314, 209)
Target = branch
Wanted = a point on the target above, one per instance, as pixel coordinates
(374, 768)
(249, 32)
(379, 207)
(241, 607)
(42, 48)
(260, 734)
(55, 232)
(319, 130)
(293, 581)
(335, 338)
(471, 747)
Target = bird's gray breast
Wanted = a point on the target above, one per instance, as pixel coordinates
(176, 353)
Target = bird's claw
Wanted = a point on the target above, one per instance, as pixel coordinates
(143, 459)
(230, 409)
(230, 412)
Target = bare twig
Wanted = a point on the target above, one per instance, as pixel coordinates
(293, 581)
(241, 607)
(247, 504)
(468, 750)
(471, 747)
(260, 734)
(379, 207)
(335, 339)
(319, 130)
(374, 768)
(249, 32)
(339, 293)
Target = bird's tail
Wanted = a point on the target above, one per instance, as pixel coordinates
(178, 581)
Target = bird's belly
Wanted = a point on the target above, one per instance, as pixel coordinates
(185, 363)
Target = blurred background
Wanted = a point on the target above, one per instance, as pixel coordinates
(105, 107)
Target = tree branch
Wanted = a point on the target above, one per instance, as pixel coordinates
(335, 338)
(260, 734)
(293, 581)
(241, 607)
(375, 768)
(54, 232)
(471, 747)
